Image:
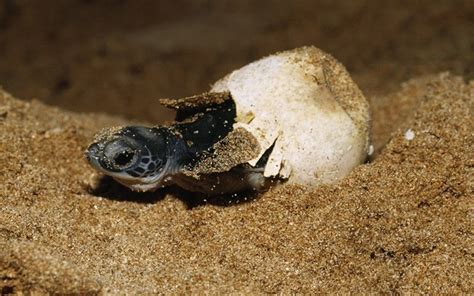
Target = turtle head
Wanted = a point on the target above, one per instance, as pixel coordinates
(136, 156)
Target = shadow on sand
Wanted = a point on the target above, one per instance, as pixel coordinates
(108, 188)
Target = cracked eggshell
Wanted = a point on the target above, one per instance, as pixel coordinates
(304, 103)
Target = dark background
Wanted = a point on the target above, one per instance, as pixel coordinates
(119, 56)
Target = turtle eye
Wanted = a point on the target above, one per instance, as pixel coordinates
(123, 158)
(120, 155)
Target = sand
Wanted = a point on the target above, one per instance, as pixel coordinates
(400, 223)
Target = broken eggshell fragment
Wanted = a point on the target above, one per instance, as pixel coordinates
(301, 104)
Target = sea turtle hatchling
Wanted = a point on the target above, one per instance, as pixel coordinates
(294, 116)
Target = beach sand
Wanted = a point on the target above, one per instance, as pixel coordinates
(397, 224)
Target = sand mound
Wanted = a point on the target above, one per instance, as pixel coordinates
(398, 224)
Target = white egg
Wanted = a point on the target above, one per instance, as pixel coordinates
(303, 103)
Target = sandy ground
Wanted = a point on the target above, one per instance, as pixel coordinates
(401, 223)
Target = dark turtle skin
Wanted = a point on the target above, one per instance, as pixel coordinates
(147, 158)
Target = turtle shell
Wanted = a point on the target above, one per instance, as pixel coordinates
(300, 108)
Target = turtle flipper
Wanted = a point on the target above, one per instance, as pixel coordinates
(237, 179)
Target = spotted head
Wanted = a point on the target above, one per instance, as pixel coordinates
(140, 158)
